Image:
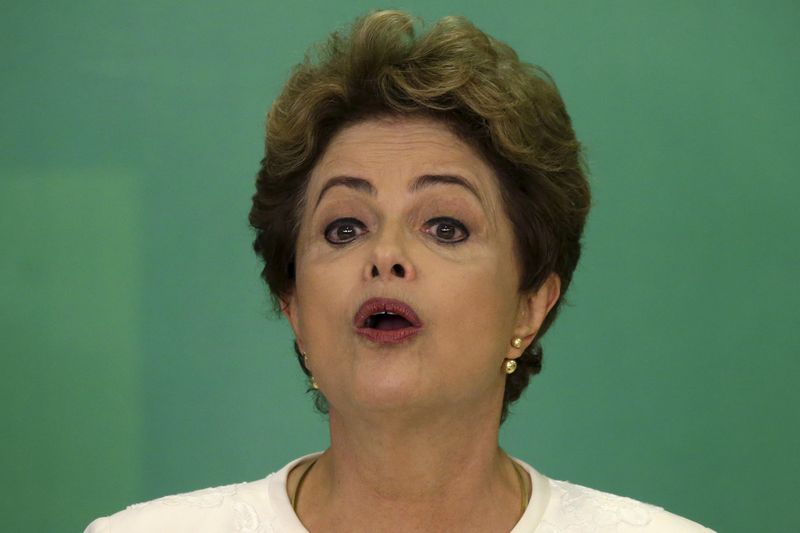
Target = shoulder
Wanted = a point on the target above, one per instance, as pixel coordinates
(579, 508)
(243, 507)
(256, 507)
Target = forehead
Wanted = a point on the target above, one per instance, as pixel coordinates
(391, 152)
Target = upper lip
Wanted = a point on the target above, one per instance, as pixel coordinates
(385, 305)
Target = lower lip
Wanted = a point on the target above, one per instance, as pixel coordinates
(388, 336)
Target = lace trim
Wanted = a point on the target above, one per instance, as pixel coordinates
(588, 510)
(246, 519)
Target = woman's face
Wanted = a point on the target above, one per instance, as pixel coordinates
(402, 209)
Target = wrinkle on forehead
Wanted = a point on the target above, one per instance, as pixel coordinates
(350, 154)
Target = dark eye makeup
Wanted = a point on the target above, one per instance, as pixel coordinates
(446, 230)
(344, 230)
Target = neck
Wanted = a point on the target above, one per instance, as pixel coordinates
(413, 473)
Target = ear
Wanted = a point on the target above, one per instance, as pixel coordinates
(533, 309)
(290, 311)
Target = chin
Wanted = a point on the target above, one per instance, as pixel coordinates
(390, 393)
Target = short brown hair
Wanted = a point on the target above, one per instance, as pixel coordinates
(508, 110)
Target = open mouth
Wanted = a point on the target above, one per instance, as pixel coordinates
(386, 321)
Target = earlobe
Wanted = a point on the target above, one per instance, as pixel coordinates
(552, 287)
(285, 308)
(289, 310)
(536, 306)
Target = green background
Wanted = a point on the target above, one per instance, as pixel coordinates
(139, 354)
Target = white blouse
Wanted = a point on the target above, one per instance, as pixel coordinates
(263, 507)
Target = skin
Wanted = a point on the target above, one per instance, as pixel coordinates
(414, 426)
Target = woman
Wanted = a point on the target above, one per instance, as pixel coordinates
(419, 211)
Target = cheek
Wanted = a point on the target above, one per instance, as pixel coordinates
(478, 299)
(326, 290)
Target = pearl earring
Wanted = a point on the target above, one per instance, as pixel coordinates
(510, 366)
(516, 342)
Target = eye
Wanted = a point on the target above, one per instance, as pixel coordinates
(447, 230)
(344, 230)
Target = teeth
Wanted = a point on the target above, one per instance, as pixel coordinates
(370, 322)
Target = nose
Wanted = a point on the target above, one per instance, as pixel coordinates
(389, 259)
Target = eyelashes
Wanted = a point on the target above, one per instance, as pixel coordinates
(446, 230)
(344, 230)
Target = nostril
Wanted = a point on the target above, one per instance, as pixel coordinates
(399, 271)
(375, 272)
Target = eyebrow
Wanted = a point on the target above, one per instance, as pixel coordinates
(422, 182)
